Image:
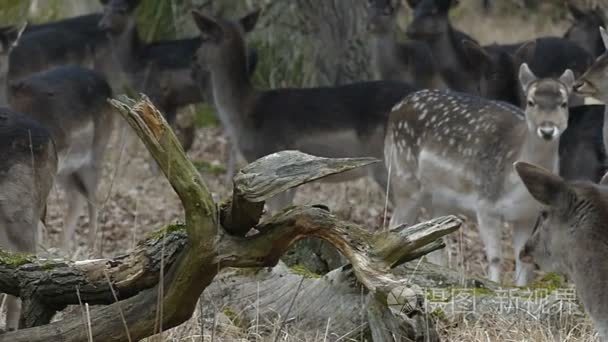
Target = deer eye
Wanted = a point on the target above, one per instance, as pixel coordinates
(564, 105)
(530, 103)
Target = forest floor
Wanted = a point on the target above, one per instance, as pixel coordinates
(134, 201)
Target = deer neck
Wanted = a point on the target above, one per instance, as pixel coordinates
(605, 129)
(445, 46)
(384, 50)
(540, 152)
(232, 95)
(125, 46)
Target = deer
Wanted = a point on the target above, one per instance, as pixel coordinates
(583, 30)
(340, 121)
(592, 86)
(581, 151)
(71, 103)
(28, 163)
(411, 61)
(431, 25)
(454, 151)
(162, 70)
(570, 235)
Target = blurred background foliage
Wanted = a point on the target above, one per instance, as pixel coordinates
(299, 42)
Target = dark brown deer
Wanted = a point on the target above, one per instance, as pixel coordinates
(455, 152)
(593, 85)
(584, 29)
(27, 168)
(342, 121)
(411, 61)
(431, 24)
(570, 236)
(161, 70)
(71, 102)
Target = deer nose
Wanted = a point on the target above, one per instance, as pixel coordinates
(547, 131)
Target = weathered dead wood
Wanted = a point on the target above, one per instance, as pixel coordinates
(271, 175)
(194, 255)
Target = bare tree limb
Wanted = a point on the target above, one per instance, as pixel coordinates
(193, 254)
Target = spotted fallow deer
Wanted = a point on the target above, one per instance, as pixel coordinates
(28, 163)
(570, 236)
(455, 151)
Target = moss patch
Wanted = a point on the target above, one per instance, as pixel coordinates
(205, 116)
(15, 259)
(207, 167)
(550, 282)
(233, 316)
(303, 271)
(167, 230)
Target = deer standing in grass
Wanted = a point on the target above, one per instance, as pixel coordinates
(570, 236)
(455, 151)
(71, 102)
(28, 164)
(341, 121)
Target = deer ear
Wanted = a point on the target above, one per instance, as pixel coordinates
(526, 52)
(576, 12)
(604, 180)
(413, 3)
(9, 35)
(248, 22)
(604, 35)
(567, 78)
(208, 25)
(526, 76)
(545, 187)
(475, 53)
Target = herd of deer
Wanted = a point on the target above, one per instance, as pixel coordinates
(505, 133)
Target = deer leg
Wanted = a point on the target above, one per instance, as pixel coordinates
(491, 233)
(13, 311)
(89, 177)
(522, 230)
(72, 187)
(438, 257)
(407, 195)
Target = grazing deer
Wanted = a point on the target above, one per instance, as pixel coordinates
(342, 121)
(456, 151)
(570, 236)
(593, 85)
(28, 163)
(71, 102)
(432, 25)
(410, 61)
(584, 29)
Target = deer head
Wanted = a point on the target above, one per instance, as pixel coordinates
(546, 102)
(593, 85)
(117, 14)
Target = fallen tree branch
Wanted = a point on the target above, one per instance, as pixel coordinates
(195, 253)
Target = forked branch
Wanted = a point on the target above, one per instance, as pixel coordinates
(194, 255)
